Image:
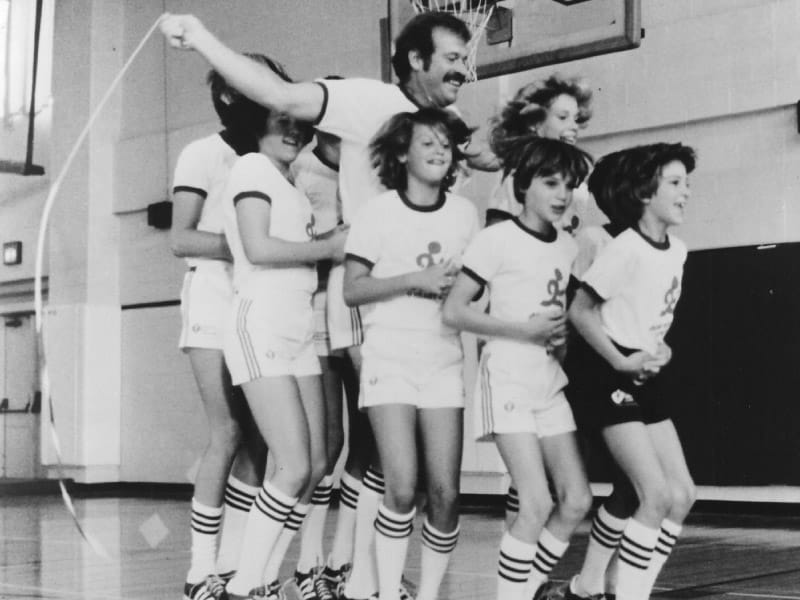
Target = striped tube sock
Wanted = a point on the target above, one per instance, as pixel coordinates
(437, 547)
(311, 554)
(513, 567)
(549, 550)
(342, 549)
(512, 500)
(205, 527)
(363, 580)
(666, 542)
(392, 531)
(635, 550)
(290, 528)
(603, 542)
(239, 498)
(270, 510)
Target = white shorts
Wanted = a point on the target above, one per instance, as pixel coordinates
(322, 339)
(270, 337)
(206, 299)
(509, 398)
(417, 368)
(344, 322)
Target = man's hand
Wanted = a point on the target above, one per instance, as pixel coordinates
(182, 31)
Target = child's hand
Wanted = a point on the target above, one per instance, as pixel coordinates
(640, 366)
(182, 31)
(546, 329)
(337, 238)
(435, 280)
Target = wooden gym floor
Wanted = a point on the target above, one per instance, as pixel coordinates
(719, 556)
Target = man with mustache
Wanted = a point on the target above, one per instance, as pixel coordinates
(430, 63)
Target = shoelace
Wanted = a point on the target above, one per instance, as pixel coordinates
(322, 589)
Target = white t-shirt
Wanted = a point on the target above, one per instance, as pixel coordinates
(202, 168)
(591, 240)
(639, 283)
(319, 181)
(255, 176)
(503, 200)
(526, 274)
(354, 110)
(393, 237)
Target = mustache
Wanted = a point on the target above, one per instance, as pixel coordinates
(455, 76)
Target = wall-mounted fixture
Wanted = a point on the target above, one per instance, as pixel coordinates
(159, 214)
(12, 253)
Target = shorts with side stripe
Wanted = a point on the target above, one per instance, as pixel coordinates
(206, 298)
(344, 322)
(322, 339)
(270, 337)
(512, 397)
(411, 367)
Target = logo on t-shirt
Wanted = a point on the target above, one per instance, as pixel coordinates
(671, 298)
(621, 398)
(429, 258)
(555, 291)
(311, 228)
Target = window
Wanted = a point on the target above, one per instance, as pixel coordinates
(17, 35)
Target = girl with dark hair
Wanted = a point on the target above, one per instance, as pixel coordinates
(622, 311)
(525, 263)
(197, 235)
(402, 253)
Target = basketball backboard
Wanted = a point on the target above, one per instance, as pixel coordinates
(524, 34)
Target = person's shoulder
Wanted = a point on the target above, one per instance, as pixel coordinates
(461, 203)
(203, 146)
(359, 84)
(678, 244)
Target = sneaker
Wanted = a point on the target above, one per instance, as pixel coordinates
(547, 591)
(259, 593)
(226, 577)
(407, 589)
(305, 583)
(330, 582)
(563, 591)
(211, 588)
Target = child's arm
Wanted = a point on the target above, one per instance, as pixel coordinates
(252, 217)
(457, 312)
(584, 314)
(360, 287)
(185, 239)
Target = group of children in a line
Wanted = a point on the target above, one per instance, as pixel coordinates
(575, 332)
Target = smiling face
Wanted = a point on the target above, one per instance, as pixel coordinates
(443, 74)
(283, 139)
(547, 199)
(561, 120)
(429, 155)
(666, 207)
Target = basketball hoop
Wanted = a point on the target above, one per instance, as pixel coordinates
(475, 13)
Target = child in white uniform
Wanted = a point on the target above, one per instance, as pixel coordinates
(200, 175)
(622, 311)
(526, 263)
(269, 344)
(401, 254)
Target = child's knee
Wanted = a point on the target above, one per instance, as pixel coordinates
(684, 494)
(535, 508)
(574, 503)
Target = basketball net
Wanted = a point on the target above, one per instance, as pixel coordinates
(475, 13)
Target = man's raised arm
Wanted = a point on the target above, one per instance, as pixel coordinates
(303, 101)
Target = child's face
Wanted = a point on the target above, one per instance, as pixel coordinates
(429, 155)
(669, 202)
(561, 120)
(284, 138)
(548, 197)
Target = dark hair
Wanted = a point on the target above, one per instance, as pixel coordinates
(418, 35)
(244, 119)
(528, 108)
(540, 157)
(394, 139)
(622, 180)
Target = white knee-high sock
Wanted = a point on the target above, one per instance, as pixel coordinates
(239, 498)
(311, 554)
(392, 531)
(290, 528)
(205, 527)
(342, 549)
(437, 548)
(603, 542)
(666, 542)
(363, 580)
(549, 550)
(635, 551)
(264, 525)
(514, 567)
